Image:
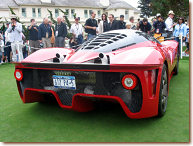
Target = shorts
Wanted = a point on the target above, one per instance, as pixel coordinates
(2, 49)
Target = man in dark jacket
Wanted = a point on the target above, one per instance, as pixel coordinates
(45, 33)
(122, 24)
(60, 33)
(113, 25)
(144, 26)
(33, 36)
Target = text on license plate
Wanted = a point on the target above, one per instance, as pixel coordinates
(64, 82)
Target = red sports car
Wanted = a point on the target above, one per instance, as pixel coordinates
(126, 66)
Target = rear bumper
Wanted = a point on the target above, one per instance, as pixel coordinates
(84, 102)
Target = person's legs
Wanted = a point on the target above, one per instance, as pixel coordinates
(90, 36)
(179, 45)
(44, 42)
(61, 42)
(56, 42)
(19, 50)
(48, 43)
(13, 47)
(37, 44)
(32, 45)
(8, 51)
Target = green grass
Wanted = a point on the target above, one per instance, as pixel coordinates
(49, 123)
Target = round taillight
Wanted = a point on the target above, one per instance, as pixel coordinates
(18, 75)
(129, 82)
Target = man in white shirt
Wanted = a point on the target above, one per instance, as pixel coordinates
(15, 30)
(77, 31)
(170, 24)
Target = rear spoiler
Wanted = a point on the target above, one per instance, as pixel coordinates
(83, 67)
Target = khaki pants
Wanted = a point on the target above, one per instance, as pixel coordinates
(46, 42)
(17, 47)
(34, 45)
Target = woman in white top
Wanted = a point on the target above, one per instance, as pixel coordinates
(103, 25)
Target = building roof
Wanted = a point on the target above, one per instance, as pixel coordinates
(115, 4)
(6, 3)
(67, 3)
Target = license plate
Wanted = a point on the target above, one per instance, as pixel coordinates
(64, 82)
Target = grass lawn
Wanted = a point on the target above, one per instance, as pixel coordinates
(49, 123)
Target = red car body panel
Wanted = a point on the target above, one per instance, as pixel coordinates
(139, 59)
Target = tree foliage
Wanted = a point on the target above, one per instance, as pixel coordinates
(152, 7)
(51, 17)
(146, 10)
(66, 18)
(180, 7)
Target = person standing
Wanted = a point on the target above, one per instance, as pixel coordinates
(103, 25)
(7, 49)
(91, 26)
(121, 23)
(180, 31)
(77, 31)
(1, 47)
(170, 24)
(60, 33)
(187, 38)
(15, 30)
(144, 26)
(113, 25)
(33, 36)
(159, 27)
(131, 19)
(45, 33)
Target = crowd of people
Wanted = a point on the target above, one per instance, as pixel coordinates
(14, 46)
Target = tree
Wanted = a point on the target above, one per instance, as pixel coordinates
(145, 7)
(180, 7)
(152, 7)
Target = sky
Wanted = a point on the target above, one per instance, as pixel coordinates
(132, 2)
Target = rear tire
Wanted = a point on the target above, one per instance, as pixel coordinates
(163, 93)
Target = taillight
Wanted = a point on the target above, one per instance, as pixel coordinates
(18, 75)
(129, 81)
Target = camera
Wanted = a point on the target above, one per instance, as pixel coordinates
(13, 27)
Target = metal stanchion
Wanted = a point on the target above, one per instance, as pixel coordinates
(181, 45)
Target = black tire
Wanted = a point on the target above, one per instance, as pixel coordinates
(176, 68)
(163, 93)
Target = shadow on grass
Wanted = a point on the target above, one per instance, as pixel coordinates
(109, 114)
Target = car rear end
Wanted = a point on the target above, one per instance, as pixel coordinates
(76, 87)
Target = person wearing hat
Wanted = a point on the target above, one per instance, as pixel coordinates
(180, 31)
(121, 23)
(60, 32)
(159, 27)
(77, 31)
(15, 30)
(170, 24)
